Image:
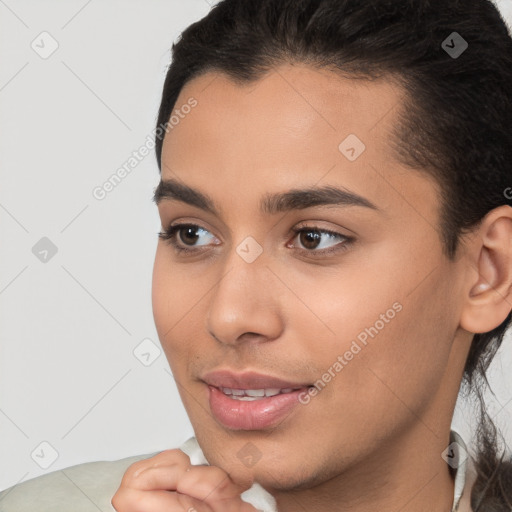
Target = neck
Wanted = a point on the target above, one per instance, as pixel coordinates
(409, 474)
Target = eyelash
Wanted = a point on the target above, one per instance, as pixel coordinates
(169, 236)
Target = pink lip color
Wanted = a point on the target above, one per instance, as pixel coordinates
(247, 380)
(251, 415)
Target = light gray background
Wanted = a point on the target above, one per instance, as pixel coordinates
(69, 326)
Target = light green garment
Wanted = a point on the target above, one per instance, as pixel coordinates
(87, 487)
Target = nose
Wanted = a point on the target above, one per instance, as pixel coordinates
(244, 306)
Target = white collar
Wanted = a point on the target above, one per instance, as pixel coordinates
(455, 455)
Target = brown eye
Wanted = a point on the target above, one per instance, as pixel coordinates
(312, 238)
(187, 234)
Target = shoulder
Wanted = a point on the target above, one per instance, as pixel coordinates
(86, 487)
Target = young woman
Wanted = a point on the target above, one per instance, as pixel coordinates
(336, 256)
(334, 266)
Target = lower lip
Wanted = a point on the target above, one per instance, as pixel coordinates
(253, 414)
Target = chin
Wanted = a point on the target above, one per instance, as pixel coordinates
(281, 469)
(275, 478)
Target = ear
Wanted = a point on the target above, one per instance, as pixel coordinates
(489, 277)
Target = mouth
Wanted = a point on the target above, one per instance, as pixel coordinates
(251, 401)
(255, 394)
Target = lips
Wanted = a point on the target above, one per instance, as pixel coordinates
(249, 380)
(251, 401)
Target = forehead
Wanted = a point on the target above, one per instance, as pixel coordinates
(293, 100)
(291, 127)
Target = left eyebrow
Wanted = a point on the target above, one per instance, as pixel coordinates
(271, 204)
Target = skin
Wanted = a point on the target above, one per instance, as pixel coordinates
(372, 438)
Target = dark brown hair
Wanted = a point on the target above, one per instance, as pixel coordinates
(455, 123)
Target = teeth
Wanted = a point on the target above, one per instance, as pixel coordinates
(254, 394)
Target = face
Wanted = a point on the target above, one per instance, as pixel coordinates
(346, 303)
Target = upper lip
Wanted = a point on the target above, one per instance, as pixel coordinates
(248, 380)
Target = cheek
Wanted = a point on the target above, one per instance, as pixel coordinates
(160, 292)
(179, 300)
(350, 307)
(171, 298)
(387, 341)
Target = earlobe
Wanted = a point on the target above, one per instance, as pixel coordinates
(489, 298)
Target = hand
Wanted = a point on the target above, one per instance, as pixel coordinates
(168, 482)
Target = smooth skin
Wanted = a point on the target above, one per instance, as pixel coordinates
(372, 439)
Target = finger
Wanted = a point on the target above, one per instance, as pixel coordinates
(160, 477)
(169, 458)
(132, 500)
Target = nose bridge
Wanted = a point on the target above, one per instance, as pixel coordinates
(242, 300)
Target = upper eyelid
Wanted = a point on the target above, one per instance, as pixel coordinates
(313, 227)
(200, 223)
(313, 210)
(295, 231)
